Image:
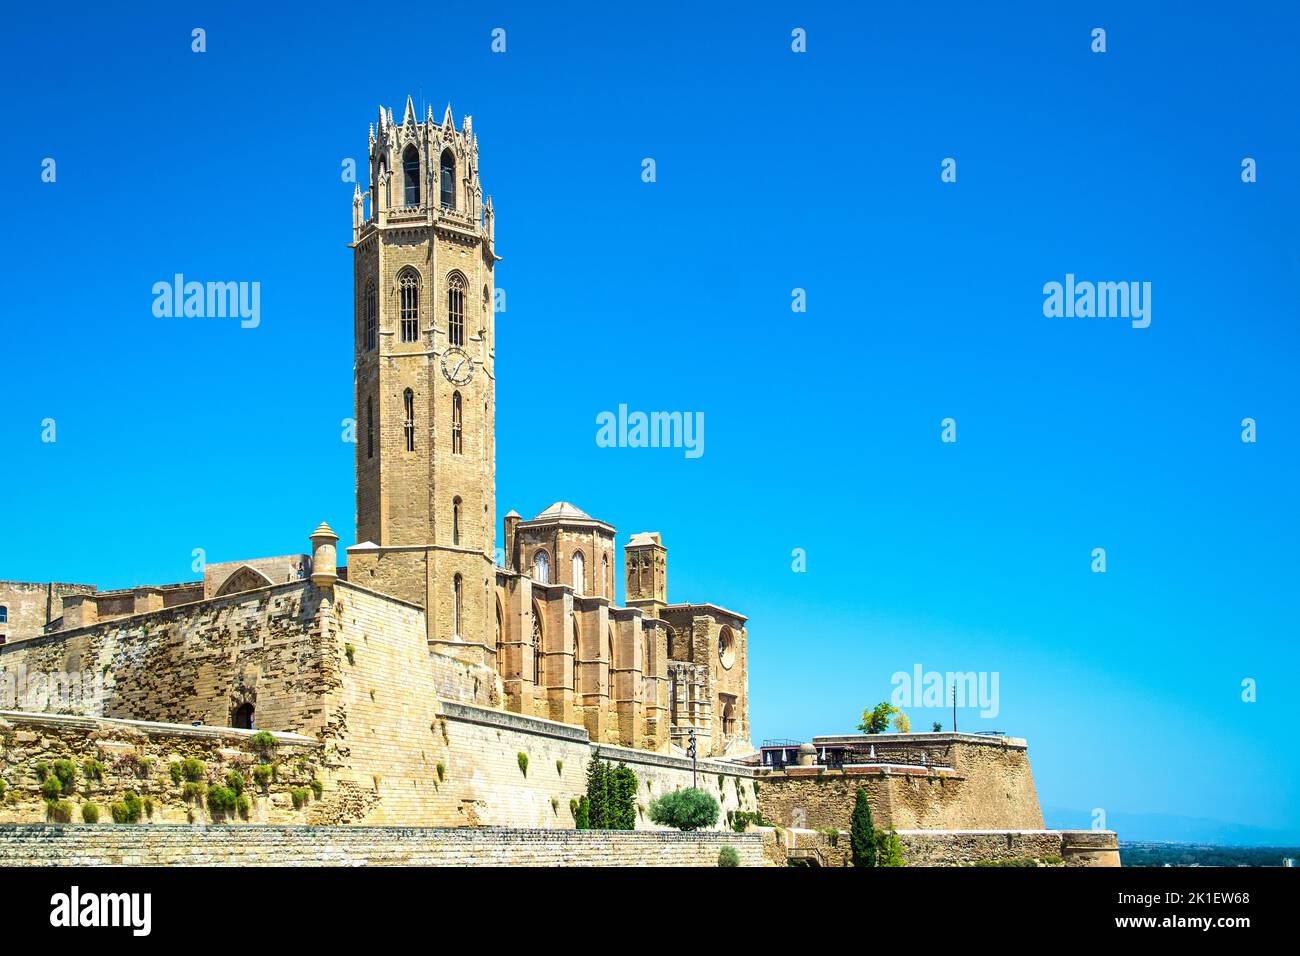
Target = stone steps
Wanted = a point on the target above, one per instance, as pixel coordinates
(255, 845)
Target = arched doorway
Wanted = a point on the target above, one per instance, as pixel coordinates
(242, 717)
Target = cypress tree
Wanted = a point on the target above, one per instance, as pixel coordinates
(862, 835)
(598, 795)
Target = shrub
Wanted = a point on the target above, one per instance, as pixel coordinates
(262, 774)
(936, 727)
(93, 769)
(177, 773)
(243, 805)
(193, 769)
(299, 797)
(862, 832)
(58, 811)
(317, 788)
(688, 809)
(350, 653)
(741, 819)
(51, 789)
(442, 771)
(3, 786)
(236, 782)
(582, 814)
(221, 800)
(831, 834)
(128, 810)
(89, 813)
(148, 807)
(889, 851)
(523, 763)
(42, 770)
(559, 767)
(66, 771)
(728, 856)
(193, 791)
(263, 742)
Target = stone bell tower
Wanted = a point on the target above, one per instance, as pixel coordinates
(424, 378)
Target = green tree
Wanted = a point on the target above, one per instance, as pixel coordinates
(688, 809)
(876, 720)
(862, 832)
(889, 850)
(623, 809)
(597, 795)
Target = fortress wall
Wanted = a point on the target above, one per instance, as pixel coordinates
(136, 756)
(192, 662)
(989, 787)
(364, 846)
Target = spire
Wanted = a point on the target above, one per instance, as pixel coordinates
(429, 118)
(467, 126)
(382, 119)
(408, 117)
(390, 116)
(447, 121)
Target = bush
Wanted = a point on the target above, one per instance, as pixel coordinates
(93, 769)
(193, 791)
(688, 809)
(442, 771)
(862, 832)
(89, 813)
(523, 763)
(58, 811)
(236, 782)
(3, 787)
(299, 797)
(51, 789)
(889, 851)
(42, 770)
(350, 651)
(193, 769)
(317, 788)
(263, 742)
(262, 774)
(66, 772)
(581, 809)
(741, 819)
(728, 856)
(128, 810)
(243, 805)
(221, 800)
(177, 773)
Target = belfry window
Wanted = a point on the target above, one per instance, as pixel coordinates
(448, 179)
(455, 423)
(408, 398)
(371, 316)
(456, 309)
(457, 588)
(409, 285)
(542, 568)
(579, 572)
(455, 521)
(370, 427)
(411, 175)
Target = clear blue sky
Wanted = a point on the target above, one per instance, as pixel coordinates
(775, 171)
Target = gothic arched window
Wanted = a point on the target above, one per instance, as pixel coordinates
(537, 647)
(456, 309)
(372, 316)
(408, 399)
(605, 582)
(409, 285)
(370, 427)
(411, 175)
(455, 423)
(579, 573)
(542, 568)
(456, 588)
(455, 521)
(448, 179)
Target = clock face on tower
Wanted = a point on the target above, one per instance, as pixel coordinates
(457, 367)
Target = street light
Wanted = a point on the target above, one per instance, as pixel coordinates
(690, 749)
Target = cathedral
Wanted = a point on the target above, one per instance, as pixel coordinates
(535, 617)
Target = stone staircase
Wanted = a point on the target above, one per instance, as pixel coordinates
(252, 845)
